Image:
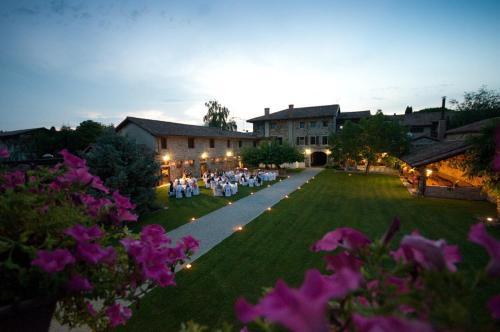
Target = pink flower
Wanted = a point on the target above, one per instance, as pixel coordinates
(121, 215)
(341, 261)
(478, 234)
(90, 309)
(98, 184)
(77, 283)
(300, 309)
(92, 253)
(388, 324)
(13, 179)
(84, 234)
(122, 202)
(53, 261)
(155, 235)
(175, 254)
(92, 204)
(118, 314)
(190, 244)
(71, 160)
(344, 237)
(76, 176)
(494, 306)
(430, 255)
(4, 153)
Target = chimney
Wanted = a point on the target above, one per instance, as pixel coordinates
(266, 111)
(443, 103)
(290, 107)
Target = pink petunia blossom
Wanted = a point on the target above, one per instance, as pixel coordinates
(122, 202)
(341, 261)
(84, 234)
(121, 215)
(99, 185)
(300, 309)
(13, 179)
(77, 283)
(118, 314)
(155, 235)
(71, 160)
(92, 253)
(494, 306)
(90, 309)
(4, 153)
(76, 176)
(92, 204)
(478, 234)
(388, 324)
(430, 255)
(189, 243)
(53, 261)
(344, 237)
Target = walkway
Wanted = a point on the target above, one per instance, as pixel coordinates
(214, 227)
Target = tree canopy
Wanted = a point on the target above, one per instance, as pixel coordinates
(476, 105)
(218, 116)
(270, 152)
(125, 166)
(369, 139)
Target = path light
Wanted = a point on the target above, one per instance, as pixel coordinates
(269, 186)
(280, 180)
(350, 174)
(251, 193)
(230, 203)
(299, 188)
(288, 176)
(269, 209)
(188, 266)
(307, 181)
(286, 196)
(490, 219)
(239, 228)
(193, 219)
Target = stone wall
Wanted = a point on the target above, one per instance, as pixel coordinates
(139, 135)
(464, 193)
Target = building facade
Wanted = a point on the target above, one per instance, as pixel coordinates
(307, 128)
(187, 149)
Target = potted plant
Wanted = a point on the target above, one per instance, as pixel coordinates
(65, 246)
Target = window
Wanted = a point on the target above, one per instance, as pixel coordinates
(190, 142)
(254, 144)
(163, 143)
(212, 143)
(300, 140)
(324, 140)
(273, 125)
(240, 144)
(228, 143)
(313, 140)
(302, 124)
(279, 140)
(325, 123)
(312, 124)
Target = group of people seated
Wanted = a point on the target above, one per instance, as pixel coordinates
(225, 183)
(187, 186)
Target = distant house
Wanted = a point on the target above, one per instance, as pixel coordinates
(19, 141)
(435, 169)
(307, 128)
(183, 148)
(425, 124)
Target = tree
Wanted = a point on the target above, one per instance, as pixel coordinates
(483, 157)
(217, 116)
(125, 166)
(271, 153)
(477, 105)
(370, 138)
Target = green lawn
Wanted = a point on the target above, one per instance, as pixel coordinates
(277, 245)
(180, 211)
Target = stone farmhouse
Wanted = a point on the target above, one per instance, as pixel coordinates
(183, 148)
(307, 128)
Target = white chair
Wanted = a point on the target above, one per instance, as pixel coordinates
(178, 191)
(227, 190)
(189, 191)
(251, 183)
(234, 188)
(196, 189)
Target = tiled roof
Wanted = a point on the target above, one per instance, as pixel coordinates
(164, 128)
(472, 128)
(19, 132)
(419, 118)
(435, 152)
(354, 115)
(300, 113)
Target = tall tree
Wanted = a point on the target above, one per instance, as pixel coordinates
(218, 116)
(483, 159)
(476, 105)
(370, 138)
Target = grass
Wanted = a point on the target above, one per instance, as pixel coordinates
(275, 245)
(180, 211)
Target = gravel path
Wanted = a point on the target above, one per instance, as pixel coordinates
(214, 227)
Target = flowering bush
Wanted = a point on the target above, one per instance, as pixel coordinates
(64, 235)
(370, 288)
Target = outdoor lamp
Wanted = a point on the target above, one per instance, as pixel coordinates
(428, 172)
(308, 151)
(328, 152)
(204, 155)
(229, 153)
(166, 157)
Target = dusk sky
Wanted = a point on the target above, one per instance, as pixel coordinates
(62, 62)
